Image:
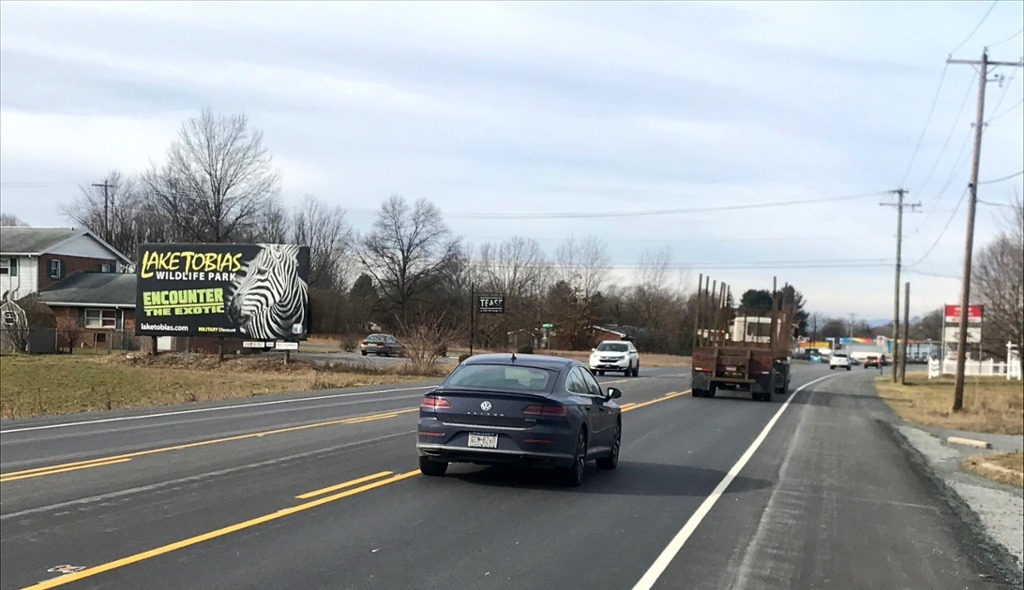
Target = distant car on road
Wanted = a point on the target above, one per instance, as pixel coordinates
(839, 360)
(534, 410)
(380, 345)
(615, 355)
(871, 361)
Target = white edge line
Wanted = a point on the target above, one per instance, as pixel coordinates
(218, 408)
(676, 544)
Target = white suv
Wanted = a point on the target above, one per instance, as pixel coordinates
(615, 355)
(840, 360)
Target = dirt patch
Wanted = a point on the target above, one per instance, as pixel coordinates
(991, 404)
(1005, 468)
(60, 384)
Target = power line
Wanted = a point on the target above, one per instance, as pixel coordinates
(658, 212)
(1001, 179)
(1010, 38)
(976, 27)
(1008, 110)
(933, 274)
(957, 169)
(997, 204)
(1006, 89)
(952, 130)
(927, 121)
(949, 221)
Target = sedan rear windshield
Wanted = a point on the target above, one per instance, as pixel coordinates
(502, 377)
(376, 338)
(612, 347)
(839, 355)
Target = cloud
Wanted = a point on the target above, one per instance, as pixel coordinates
(541, 107)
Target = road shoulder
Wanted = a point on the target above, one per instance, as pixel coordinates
(994, 510)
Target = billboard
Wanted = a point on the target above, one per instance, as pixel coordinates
(491, 303)
(252, 291)
(953, 314)
(951, 324)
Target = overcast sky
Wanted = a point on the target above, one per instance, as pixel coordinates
(552, 108)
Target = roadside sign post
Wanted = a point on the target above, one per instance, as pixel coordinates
(287, 347)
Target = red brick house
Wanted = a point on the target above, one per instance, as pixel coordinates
(33, 258)
(100, 304)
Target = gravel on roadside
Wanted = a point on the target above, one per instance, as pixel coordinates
(998, 508)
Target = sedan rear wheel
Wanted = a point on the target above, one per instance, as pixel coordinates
(612, 460)
(432, 468)
(573, 475)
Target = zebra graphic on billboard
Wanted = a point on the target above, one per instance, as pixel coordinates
(269, 297)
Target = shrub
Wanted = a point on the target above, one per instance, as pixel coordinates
(463, 357)
(525, 350)
(348, 343)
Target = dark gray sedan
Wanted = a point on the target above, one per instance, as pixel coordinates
(380, 345)
(525, 409)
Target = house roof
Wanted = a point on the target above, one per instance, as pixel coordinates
(33, 241)
(92, 288)
(621, 331)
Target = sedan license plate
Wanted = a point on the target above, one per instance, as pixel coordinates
(483, 441)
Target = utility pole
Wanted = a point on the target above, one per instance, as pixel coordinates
(906, 335)
(106, 209)
(852, 316)
(965, 290)
(899, 205)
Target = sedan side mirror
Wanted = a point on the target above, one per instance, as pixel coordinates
(593, 350)
(613, 393)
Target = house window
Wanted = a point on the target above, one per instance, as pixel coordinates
(100, 318)
(55, 268)
(9, 266)
(105, 267)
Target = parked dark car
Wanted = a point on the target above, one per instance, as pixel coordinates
(380, 345)
(533, 410)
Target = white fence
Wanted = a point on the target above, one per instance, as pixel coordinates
(988, 368)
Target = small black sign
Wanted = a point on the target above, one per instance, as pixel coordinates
(491, 304)
(9, 318)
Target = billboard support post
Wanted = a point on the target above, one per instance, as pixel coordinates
(220, 349)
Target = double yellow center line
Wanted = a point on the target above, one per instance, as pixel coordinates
(115, 459)
(61, 468)
(119, 563)
(670, 395)
(369, 482)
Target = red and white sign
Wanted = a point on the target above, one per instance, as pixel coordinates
(953, 314)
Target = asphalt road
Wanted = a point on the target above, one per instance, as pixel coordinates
(322, 491)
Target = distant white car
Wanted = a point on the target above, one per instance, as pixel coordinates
(615, 355)
(840, 360)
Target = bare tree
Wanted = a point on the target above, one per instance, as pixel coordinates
(408, 252)
(653, 269)
(584, 264)
(218, 181)
(69, 330)
(515, 267)
(998, 276)
(123, 217)
(328, 235)
(11, 220)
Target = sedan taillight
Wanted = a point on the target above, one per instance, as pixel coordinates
(435, 403)
(546, 410)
